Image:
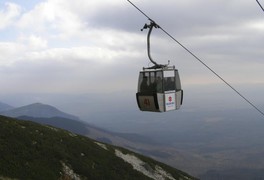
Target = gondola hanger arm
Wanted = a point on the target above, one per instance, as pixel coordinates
(150, 27)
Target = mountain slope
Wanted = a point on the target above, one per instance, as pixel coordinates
(38, 110)
(31, 151)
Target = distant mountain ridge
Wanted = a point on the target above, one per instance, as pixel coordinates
(142, 144)
(37, 110)
(49, 115)
(5, 107)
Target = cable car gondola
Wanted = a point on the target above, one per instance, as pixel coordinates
(159, 86)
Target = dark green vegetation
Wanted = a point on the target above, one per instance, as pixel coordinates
(32, 151)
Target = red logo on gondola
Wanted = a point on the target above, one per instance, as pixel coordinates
(170, 98)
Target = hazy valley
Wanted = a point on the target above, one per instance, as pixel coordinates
(216, 144)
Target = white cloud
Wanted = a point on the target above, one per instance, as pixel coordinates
(9, 14)
(33, 42)
(10, 52)
(51, 17)
(37, 42)
(63, 18)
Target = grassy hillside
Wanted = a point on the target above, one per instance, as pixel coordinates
(32, 151)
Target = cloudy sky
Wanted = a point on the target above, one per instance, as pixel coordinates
(96, 46)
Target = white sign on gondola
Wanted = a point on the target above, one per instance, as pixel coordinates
(170, 101)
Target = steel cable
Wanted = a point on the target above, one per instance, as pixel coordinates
(203, 63)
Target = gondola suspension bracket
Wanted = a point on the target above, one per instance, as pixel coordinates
(150, 27)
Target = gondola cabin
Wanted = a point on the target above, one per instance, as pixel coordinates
(159, 90)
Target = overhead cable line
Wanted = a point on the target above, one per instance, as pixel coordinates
(200, 60)
(260, 5)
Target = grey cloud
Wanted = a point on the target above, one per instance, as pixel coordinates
(116, 17)
(216, 31)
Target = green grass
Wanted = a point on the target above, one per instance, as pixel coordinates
(32, 151)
